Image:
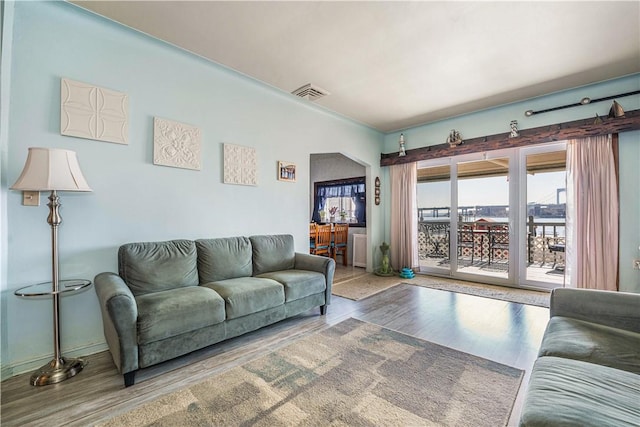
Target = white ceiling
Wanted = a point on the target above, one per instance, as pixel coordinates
(393, 65)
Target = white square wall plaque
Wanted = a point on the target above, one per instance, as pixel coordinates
(92, 112)
(176, 144)
(240, 165)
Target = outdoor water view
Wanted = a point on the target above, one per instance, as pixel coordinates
(483, 233)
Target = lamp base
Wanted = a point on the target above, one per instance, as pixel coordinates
(56, 371)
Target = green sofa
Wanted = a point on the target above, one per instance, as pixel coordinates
(171, 298)
(588, 367)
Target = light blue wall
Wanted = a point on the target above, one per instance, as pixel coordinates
(6, 38)
(629, 144)
(133, 200)
(496, 121)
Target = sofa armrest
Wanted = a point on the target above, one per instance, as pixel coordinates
(321, 264)
(616, 309)
(119, 319)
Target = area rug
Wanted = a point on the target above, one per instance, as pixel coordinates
(368, 285)
(364, 286)
(504, 293)
(351, 374)
(343, 275)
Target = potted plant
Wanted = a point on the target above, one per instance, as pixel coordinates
(332, 213)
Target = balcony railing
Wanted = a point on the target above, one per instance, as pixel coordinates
(486, 241)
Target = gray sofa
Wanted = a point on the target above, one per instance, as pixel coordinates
(171, 298)
(588, 367)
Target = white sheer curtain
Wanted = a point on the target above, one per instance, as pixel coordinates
(592, 214)
(404, 216)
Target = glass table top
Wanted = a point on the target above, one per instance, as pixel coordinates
(46, 288)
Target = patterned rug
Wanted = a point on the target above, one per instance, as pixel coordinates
(353, 373)
(368, 285)
(364, 286)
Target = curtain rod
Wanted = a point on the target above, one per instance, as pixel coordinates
(583, 101)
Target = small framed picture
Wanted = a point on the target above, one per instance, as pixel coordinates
(286, 171)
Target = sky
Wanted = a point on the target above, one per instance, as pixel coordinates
(541, 188)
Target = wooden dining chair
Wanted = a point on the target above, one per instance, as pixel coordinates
(313, 230)
(339, 244)
(322, 245)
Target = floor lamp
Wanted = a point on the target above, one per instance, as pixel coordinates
(53, 169)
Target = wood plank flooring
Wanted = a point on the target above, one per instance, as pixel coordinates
(505, 332)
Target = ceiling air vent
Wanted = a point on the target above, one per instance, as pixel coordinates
(310, 92)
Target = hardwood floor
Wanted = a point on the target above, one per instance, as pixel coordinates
(505, 332)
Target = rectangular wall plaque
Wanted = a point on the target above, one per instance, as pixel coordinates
(92, 112)
(176, 144)
(240, 165)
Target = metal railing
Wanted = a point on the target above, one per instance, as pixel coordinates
(545, 241)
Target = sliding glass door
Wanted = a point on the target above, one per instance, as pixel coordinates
(488, 217)
(545, 215)
(483, 217)
(434, 217)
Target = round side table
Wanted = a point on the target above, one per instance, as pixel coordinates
(60, 368)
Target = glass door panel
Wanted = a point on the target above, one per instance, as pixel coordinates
(545, 218)
(483, 217)
(434, 218)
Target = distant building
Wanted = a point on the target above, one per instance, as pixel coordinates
(470, 213)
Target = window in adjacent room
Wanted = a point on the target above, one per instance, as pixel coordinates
(341, 200)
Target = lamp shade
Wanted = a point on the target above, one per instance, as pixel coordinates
(49, 169)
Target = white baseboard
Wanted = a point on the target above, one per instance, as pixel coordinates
(31, 365)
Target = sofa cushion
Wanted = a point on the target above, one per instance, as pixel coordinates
(591, 342)
(225, 258)
(248, 295)
(566, 392)
(176, 311)
(272, 253)
(158, 266)
(298, 283)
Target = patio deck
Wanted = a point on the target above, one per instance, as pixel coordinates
(538, 272)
